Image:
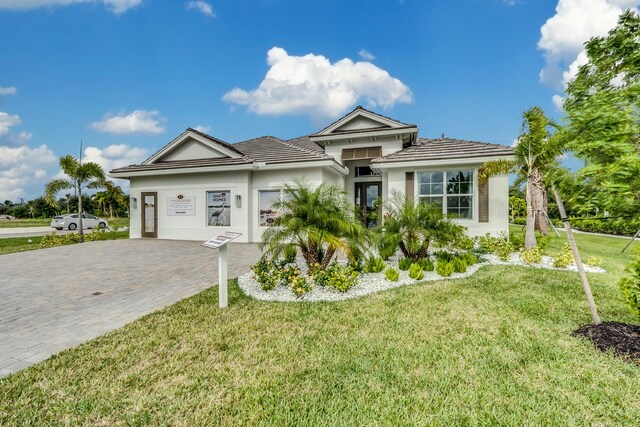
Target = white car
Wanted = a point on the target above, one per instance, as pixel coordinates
(70, 221)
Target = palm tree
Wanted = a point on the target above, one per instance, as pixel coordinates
(536, 153)
(412, 227)
(317, 221)
(81, 175)
(101, 199)
(115, 196)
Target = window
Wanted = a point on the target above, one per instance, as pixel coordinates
(365, 171)
(449, 192)
(267, 213)
(219, 208)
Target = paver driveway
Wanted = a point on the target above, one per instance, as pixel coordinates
(53, 299)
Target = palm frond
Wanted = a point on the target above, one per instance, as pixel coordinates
(52, 188)
(495, 167)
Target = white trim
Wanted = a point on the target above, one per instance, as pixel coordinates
(356, 113)
(443, 162)
(364, 134)
(190, 134)
(248, 167)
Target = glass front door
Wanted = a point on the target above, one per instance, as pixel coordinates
(367, 195)
(149, 214)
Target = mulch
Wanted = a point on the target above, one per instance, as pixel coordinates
(621, 338)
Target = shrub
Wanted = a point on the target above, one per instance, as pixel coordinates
(374, 265)
(338, 276)
(289, 255)
(469, 258)
(444, 256)
(531, 256)
(51, 240)
(516, 240)
(300, 285)
(426, 264)
(416, 272)
(412, 227)
(267, 274)
(564, 258)
(461, 242)
(459, 265)
(444, 269)
(630, 286)
(594, 261)
(392, 274)
(404, 263)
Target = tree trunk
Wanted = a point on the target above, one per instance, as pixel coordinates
(110, 210)
(530, 233)
(578, 260)
(327, 258)
(538, 196)
(80, 227)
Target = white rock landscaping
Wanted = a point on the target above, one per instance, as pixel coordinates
(369, 283)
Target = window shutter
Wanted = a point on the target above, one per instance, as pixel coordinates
(483, 202)
(408, 185)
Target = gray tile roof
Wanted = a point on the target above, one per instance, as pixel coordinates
(360, 107)
(180, 164)
(443, 149)
(270, 149)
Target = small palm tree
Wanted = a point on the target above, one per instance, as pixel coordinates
(81, 175)
(536, 152)
(412, 227)
(317, 221)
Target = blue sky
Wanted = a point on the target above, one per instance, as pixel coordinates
(128, 76)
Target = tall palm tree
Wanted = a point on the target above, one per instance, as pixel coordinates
(115, 196)
(80, 175)
(536, 152)
(318, 221)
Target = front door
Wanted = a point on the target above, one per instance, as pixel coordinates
(149, 214)
(367, 195)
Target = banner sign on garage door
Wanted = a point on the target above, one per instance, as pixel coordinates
(181, 206)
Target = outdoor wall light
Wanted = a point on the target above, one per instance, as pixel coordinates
(238, 201)
(134, 203)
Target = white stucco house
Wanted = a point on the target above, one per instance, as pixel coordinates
(198, 186)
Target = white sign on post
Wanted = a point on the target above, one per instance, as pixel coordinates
(220, 243)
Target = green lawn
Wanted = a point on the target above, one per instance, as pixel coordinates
(28, 222)
(19, 244)
(494, 348)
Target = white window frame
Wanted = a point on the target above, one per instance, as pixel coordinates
(444, 196)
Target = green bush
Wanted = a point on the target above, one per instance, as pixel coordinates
(516, 240)
(497, 245)
(469, 258)
(623, 227)
(444, 268)
(426, 264)
(461, 242)
(564, 258)
(338, 276)
(289, 255)
(392, 274)
(531, 256)
(267, 274)
(444, 256)
(594, 261)
(416, 272)
(404, 263)
(51, 240)
(300, 285)
(630, 286)
(459, 265)
(374, 265)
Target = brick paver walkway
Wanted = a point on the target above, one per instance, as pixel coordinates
(49, 298)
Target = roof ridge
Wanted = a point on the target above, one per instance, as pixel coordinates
(303, 149)
(214, 139)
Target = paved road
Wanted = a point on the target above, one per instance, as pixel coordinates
(7, 232)
(49, 298)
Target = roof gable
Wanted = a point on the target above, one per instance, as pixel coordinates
(359, 120)
(194, 145)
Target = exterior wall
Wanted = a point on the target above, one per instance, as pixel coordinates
(272, 180)
(192, 185)
(389, 145)
(498, 197)
(192, 149)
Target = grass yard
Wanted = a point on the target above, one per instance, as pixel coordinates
(27, 222)
(19, 244)
(494, 348)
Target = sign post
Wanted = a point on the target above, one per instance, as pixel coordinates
(220, 243)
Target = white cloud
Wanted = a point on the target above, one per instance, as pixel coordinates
(558, 102)
(204, 7)
(139, 121)
(366, 55)
(202, 128)
(115, 156)
(564, 34)
(312, 85)
(23, 171)
(8, 90)
(7, 121)
(116, 6)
